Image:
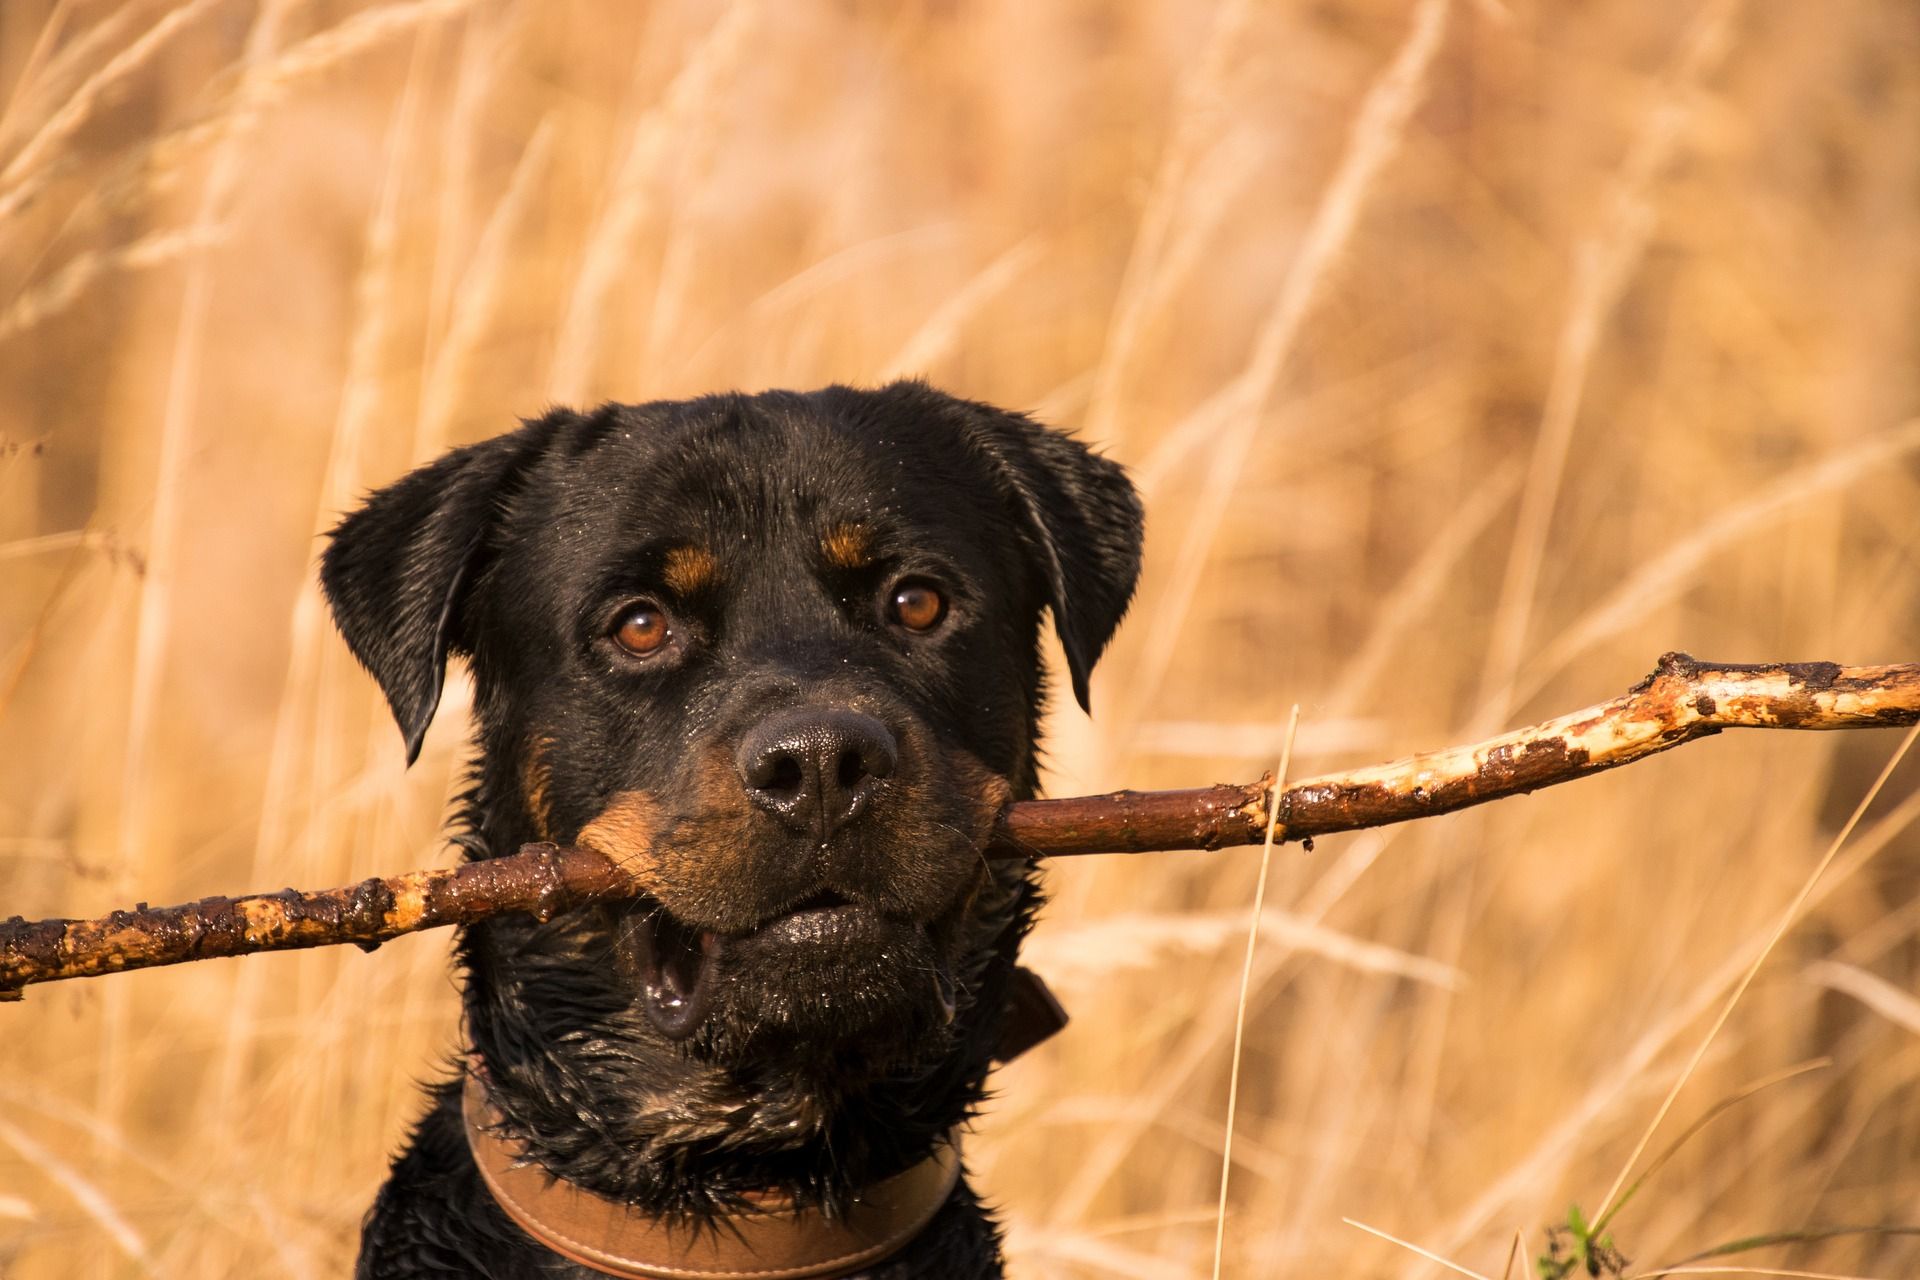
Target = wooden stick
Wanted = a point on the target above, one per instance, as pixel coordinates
(1682, 700)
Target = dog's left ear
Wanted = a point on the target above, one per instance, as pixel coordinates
(1083, 527)
(395, 571)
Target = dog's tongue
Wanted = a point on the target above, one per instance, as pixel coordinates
(676, 973)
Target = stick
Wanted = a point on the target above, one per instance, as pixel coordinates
(1682, 700)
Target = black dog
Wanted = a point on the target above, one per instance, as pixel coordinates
(779, 653)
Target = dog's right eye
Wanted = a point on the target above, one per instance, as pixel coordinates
(643, 629)
(916, 605)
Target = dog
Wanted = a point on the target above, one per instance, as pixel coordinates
(778, 654)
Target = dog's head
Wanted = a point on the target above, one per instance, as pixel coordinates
(777, 654)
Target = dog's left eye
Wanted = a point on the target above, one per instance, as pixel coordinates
(643, 629)
(915, 605)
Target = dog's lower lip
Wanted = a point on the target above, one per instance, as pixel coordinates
(678, 964)
(830, 925)
(841, 922)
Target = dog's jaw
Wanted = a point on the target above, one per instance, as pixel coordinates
(849, 950)
(676, 1133)
(843, 966)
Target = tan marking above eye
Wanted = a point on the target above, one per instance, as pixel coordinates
(643, 629)
(689, 570)
(847, 546)
(917, 606)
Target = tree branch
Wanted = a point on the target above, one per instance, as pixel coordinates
(1682, 700)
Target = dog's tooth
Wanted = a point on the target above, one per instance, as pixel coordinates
(949, 997)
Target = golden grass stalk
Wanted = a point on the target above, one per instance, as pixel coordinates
(20, 178)
(1890, 1002)
(934, 340)
(1143, 280)
(177, 429)
(91, 1199)
(637, 192)
(66, 286)
(1375, 139)
(1788, 919)
(1279, 790)
(1417, 1250)
(1604, 263)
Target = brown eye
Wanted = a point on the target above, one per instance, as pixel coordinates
(917, 606)
(643, 629)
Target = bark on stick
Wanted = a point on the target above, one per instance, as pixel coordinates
(1682, 700)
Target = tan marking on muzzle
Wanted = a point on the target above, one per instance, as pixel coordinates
(689, 570)
(989, 791)
(993, 791)
(625, 832)
(536, 779)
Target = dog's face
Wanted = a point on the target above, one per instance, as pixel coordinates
(777, 655)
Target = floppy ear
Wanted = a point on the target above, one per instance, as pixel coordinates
(1083, 526)
(395, 570)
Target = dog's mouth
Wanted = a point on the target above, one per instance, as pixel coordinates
(678, 969)
(679, 966)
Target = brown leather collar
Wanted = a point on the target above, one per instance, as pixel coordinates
(774, 1241)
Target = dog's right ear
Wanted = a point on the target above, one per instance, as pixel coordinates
(395, 571)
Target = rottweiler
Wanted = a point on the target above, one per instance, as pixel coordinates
(780, 655)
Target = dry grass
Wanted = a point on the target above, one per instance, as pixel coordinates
(1471, 355)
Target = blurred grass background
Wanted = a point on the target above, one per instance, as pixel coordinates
(1469, 354)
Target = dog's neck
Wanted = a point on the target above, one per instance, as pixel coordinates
(774, 1238)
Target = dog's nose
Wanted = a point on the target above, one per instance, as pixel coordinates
(816, 770)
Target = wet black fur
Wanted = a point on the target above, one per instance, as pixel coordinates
(517, 553)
